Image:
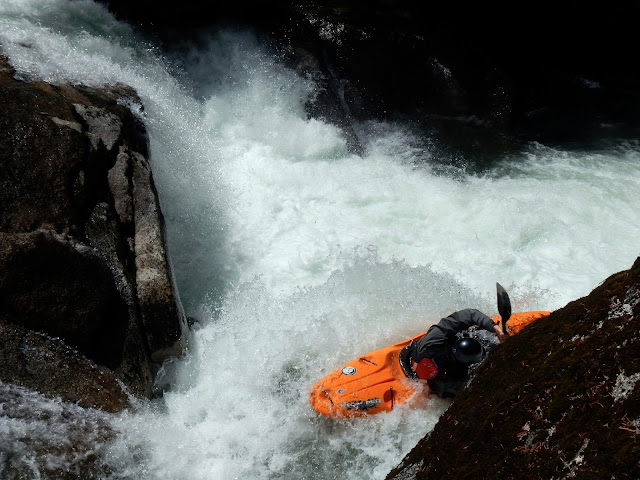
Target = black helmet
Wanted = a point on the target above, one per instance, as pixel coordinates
(468, 351)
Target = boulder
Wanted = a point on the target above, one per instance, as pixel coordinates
(46, 364)
(52, 283)
(559, 400)
(82, 253)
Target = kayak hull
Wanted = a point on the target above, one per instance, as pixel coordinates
(375, 382)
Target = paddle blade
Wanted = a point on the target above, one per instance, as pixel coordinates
(504, 306)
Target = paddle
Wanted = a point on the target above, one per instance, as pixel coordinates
(504, 306)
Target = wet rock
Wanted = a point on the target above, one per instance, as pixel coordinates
(156, 294)
(52, 283)
(478, 79)
(46, 364)
(559, 400)
(102, 126)
(82, 254)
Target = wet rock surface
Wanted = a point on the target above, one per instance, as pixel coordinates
(46, 364)
(559, 400)
(478, 79)
(85, 281)
(53, 283)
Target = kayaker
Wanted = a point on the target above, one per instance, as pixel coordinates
(441, 358)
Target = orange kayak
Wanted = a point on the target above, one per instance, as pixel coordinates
(375, 382)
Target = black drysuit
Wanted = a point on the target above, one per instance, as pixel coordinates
(437, 344)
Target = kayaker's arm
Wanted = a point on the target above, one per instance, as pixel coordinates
(464, 319)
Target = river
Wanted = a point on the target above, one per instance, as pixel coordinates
(295, 255)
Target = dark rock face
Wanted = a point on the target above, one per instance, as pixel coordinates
(82, 254)
(477, 79)
(51, 283)
(45, 364)
(559, 400)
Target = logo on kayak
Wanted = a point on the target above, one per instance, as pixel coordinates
(349, 371)
(361, 404)
(341, 391)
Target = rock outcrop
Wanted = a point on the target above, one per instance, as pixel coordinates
(477, 79)
(559, 400)
(87, 302)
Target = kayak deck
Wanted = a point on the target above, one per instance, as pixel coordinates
(366, 385)
(375, 382)
(517, 321)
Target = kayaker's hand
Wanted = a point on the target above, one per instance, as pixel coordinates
(498, 331)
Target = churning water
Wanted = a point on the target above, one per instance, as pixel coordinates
(296, 255)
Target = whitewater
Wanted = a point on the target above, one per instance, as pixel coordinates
(293, 255)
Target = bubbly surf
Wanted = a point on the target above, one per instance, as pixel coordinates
(295, 255)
